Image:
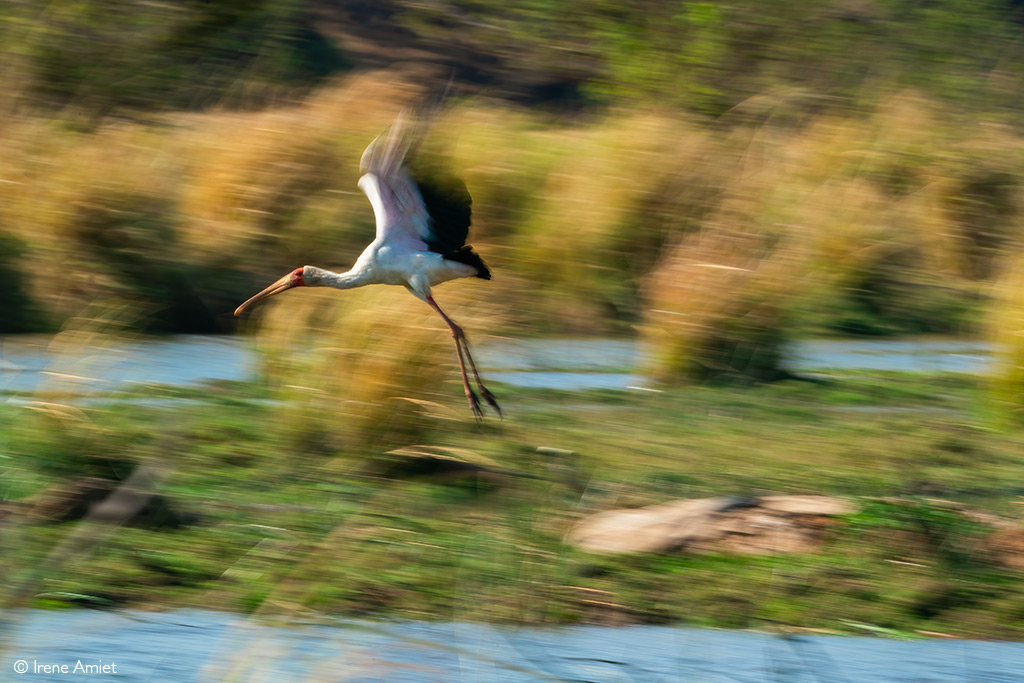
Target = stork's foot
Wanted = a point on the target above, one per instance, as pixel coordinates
(474, 404)
(491, 401)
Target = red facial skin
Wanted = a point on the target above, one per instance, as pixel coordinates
(297, 278)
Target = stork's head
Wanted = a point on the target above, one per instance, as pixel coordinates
(292, 279)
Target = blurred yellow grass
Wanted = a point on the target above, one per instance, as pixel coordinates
(717, 307)
(899, 201)
(586, 224)
(366, 370)
(1006, 325)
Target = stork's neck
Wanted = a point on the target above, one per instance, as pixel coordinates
(318, 277)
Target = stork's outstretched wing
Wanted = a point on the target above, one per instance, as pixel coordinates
(430, 212)
(397, 205)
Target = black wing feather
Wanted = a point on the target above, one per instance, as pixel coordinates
(470, 258)
(448, 204)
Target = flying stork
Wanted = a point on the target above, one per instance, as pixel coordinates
(421, 241)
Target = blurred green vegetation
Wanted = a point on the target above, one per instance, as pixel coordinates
(715, 178)
(101, 56)
(708, 56)
(17, 310)
(286, 528)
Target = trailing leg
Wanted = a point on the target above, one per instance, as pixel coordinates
(462, 346)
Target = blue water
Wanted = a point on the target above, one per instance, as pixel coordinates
(917, 355)
(32, 362)
(568, 381)
(36, 362)
(580, 355)
(201, 646)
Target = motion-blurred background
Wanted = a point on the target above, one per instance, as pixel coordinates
(690, 191)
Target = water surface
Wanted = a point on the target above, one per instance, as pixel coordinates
(914, 355)
(32, 362)
(197, 645)
(35, 362)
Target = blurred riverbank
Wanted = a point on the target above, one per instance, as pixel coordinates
(258, 513)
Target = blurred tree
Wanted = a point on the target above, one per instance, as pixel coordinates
(132, 243)
(17, 313)
(707, 56)
(101, 55)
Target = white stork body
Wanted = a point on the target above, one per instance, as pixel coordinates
(420, 242)
(382, 263)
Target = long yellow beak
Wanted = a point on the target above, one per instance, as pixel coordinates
(287, 282)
